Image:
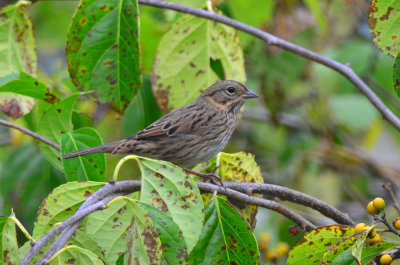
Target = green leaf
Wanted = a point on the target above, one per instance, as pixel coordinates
(182, 65)
(353, 111)
(109, 229)
(61, 204)
(174, 249)
(144, 245)
(103, 50)
(172, 191)
(8, 241)
(226, 236)
(53, 124)
(238, 167)
(25, 84)
(384, 22)
(312, 248)
(89, 167)
(356, 250)
(75, 255)
(17, 53)
(396, 74)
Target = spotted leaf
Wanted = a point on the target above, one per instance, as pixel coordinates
(103, 50)
(17, 53)
(226, 236)
(384, 24)
(320, 242)
(169, 189)
(61, 203)
(182, 67)
(144, 244)
(8, 241)
(173, 244)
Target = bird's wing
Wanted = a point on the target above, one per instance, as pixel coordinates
(180, 121)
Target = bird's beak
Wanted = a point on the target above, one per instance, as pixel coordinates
(250, 94)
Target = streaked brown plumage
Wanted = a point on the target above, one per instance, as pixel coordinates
(189, 135)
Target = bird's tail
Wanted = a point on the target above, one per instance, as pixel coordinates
(105, 148)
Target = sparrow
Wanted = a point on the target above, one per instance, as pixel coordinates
(189, 135)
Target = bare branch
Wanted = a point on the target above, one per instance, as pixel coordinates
(293, 196)
(29, 132)
(98, 199)
(270, 39)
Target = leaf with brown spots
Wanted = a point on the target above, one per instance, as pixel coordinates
(109, 229)
(144, 244)
(319, 242)
(171, 190)
(54, 207)
(8, 241)
(24, 84)
(53, 124)
(90, 167)
(384, 24)
(239, 167)
(17, 53)
(103, 50)
(182, 65)
(226, 236)
(173, 245)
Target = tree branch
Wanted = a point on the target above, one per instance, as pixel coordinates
(294, 196)
(29, 132)
(270, 39)
(98, 200)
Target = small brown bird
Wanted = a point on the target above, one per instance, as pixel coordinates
(189, 135)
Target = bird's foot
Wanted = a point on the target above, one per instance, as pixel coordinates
(212, 178)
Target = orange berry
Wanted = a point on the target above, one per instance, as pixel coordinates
(377, 239)
(263, 242)
(385, 259)
(372, 233)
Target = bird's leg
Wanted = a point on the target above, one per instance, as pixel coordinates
(206, 176)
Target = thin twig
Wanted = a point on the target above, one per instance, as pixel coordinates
(389, 188)
(384, 221)
(29, 132)
(270, 39)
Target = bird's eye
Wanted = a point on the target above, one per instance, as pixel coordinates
(231, 90)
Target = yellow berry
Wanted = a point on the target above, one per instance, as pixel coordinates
(263, 242)
(282, 248)
(396, 223)
(360, 227)
(377, 239)
(386, 259)
(379, 203)
(272, 255)
(371, 209)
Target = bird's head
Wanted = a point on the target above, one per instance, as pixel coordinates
(229, 95)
